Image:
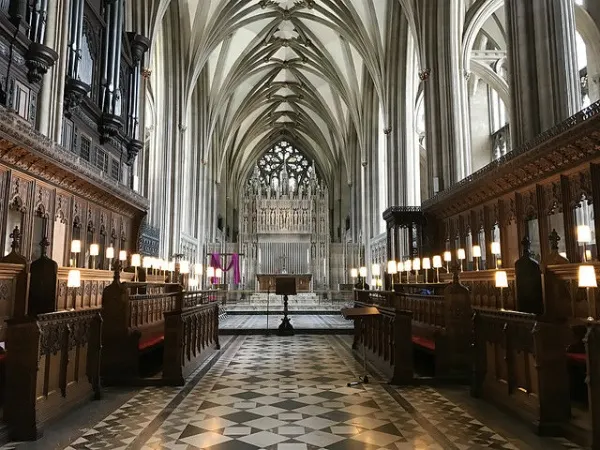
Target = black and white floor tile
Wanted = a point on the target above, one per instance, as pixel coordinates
(289, 393)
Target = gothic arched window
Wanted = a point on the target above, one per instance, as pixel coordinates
(284, 155)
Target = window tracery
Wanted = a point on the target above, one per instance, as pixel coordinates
(283, 159)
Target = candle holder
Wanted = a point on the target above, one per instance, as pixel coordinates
(587, 279)
(110, 255)
(416, 264)
(400, 269)
(501, 282)
(476, 256)
(75, 250)
(496, 252)
(461, 256)
(437, 263)
(74, 283)
(122, 258)
(426, 267)
(392, 269)
(94, 252)
(136, 261)
(408, 268)
(584, 236)
(447, 260)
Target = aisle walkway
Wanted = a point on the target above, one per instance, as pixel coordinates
(246, 323)
(290, 394)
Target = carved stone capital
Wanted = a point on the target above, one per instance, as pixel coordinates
(139, 45)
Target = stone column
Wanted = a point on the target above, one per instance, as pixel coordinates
(543, 65)
(448, 139)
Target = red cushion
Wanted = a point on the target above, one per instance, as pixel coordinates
(150, 342)
(2, 356)
(578, 358)
(424, 342)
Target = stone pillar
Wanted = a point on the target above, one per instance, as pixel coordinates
(543, 65)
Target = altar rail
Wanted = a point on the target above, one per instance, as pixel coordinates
(520, 364)
(53, 364)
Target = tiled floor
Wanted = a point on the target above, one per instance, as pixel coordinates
(290, 393)
(299, 321)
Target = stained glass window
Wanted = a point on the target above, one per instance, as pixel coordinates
(283, 154)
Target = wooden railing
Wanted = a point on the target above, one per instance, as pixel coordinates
(427, 309)
(483, 290)
(52, 365)
(148, 302)
(188, 335)
(520, 363)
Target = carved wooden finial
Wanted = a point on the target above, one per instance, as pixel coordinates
(16, 240)
(526, 243)
(554, 238)
(117, 271)
(455, 272)
(44, 244)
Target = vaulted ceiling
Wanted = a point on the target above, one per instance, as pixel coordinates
(285, 68)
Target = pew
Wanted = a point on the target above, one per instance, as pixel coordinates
(520, 364)
(133, 324)
(387, 341)
(441, 324)
(53, 357)
(190, 329)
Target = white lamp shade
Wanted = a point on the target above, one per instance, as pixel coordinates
(123, 255)
(392, 267)
(408, 265)
(136, 260)
(584, 234)
(353, 273)
(448, 256)
(376, 270)
(460, 253)
(76, 246)
(501, 279)
(94, 250)
(198, 269)
(476, 251)
(363, 272)
(495, 248)
(400, 267)
(426, 263)
(147, 262)
(110, 252)
(437, 261)
(587, 276)
(74, 279)
(184, 267)
(416, 264)
(218, 273)
(210, 272)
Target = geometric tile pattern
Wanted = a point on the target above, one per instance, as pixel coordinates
(289, 393)
(299, 321)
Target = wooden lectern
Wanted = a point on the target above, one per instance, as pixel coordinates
(359, 313)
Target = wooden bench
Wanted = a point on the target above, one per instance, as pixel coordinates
(190, 331)
(441, 324)
(520, 364)
(133, 315)
(52, 358)
(387, 341)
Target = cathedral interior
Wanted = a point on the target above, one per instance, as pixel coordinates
(299, 224)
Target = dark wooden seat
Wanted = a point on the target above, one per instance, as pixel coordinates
(134, 324)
